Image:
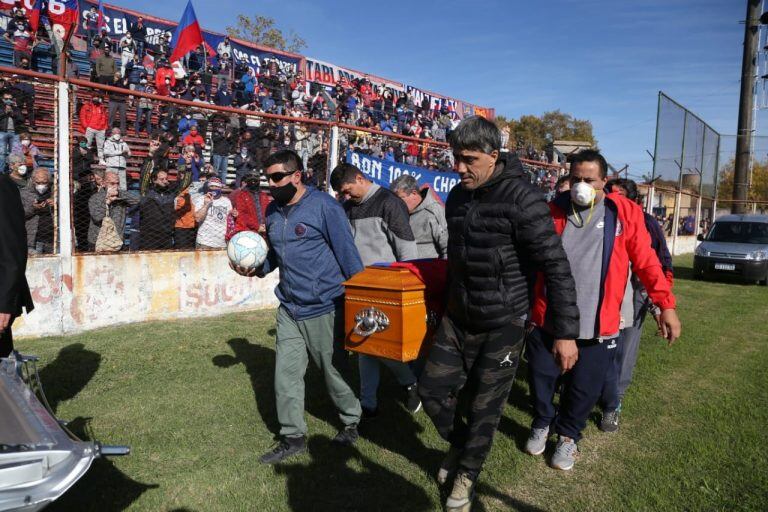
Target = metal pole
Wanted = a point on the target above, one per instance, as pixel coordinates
(63, 162)
(746, 108)
(679, 195)
(656, 143)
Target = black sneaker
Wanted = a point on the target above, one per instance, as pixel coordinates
(347, 436)
(369, 414)
(610, 421)
(286, 447)
(412, 399)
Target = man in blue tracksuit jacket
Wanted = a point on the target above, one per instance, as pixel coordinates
(311, 243)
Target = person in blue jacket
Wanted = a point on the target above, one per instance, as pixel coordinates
(310, 241)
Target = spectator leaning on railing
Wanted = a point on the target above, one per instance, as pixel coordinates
(108, 198)
(18, 170)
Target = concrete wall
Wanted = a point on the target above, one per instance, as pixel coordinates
(684, 245)
(87, 292)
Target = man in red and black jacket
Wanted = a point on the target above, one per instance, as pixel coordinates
(633, 311)
(249, 206)
(601, 234)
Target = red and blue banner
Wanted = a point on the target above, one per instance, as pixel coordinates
(384, 172)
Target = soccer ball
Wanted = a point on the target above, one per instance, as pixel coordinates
(247, 249)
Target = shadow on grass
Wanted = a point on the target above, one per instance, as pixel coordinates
(103, 487)
(259, 363)
(68, 374)
(509, 502)
(342, 478)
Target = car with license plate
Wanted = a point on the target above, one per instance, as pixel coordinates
(736, 246)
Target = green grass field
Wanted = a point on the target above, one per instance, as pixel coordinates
(194, 400)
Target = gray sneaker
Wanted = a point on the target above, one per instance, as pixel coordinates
(565, 454)
(610, 421)
(537, 441)
(460, 499)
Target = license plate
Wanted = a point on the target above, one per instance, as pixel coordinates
(725, 266)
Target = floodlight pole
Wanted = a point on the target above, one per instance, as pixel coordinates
(746, 107)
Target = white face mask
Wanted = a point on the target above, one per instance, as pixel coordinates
(583, 194)
(41, 189)
(21, 170)
(25, 142)
(116, 137)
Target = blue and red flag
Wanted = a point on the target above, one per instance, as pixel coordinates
(188, 35)
(101, 20)
(34, 16)
(64, 13)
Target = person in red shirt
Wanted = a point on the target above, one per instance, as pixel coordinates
(165, 79)
(249, 206)
(93, 123)
(194, 139)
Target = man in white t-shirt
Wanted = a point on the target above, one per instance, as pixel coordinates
(211, 212)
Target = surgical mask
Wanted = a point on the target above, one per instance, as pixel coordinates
(244, 151)
(215, 192)
(116, 138)
(84, 145)
(198, 82)
(283, 194)
(41, 189)
(583, 194)
(188, 116)
(25, 142)
(21, 170)
(143, 81)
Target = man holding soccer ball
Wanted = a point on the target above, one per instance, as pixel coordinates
(311, 243)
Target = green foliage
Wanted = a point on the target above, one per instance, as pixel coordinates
(263, 30)
(540, 131)
(758, 191)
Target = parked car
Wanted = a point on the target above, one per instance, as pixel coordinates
(736, 245)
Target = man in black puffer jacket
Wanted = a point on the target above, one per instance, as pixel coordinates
(500, 234)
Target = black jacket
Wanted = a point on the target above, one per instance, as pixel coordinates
(15, 115)
(14, 290)
(499, 236)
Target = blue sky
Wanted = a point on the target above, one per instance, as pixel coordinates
(597, 59)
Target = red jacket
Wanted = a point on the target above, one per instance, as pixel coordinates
(93, 116)
(160, 76)
(626, 240)
(193, 140)
(247, 218)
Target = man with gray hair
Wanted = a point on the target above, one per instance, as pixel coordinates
(427, 217)
(38, 203)
(501, 235)
(109, 200)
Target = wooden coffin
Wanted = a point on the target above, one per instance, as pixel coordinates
(385, 314)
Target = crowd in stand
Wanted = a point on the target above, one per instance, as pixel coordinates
(180, 196)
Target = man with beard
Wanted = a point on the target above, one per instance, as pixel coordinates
(311, 243)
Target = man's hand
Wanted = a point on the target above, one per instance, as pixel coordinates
(669, 325)
(262, 229)
(566, 354)
(244, 271)
(207, 199)
(5, 320)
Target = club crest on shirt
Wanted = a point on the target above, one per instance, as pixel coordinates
(300, 229)
(619, 228)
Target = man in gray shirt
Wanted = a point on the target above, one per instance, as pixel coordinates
(427, 217)
(382, 235)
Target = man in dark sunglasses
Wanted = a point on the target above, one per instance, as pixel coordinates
(311, 243)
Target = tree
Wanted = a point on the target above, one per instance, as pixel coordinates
(540, 131)
(263, 30)
(758, 190)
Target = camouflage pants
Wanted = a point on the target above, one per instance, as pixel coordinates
(484, 364)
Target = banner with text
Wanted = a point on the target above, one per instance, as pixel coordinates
(384, 172)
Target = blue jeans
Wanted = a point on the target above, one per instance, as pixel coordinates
(220, 164)
(369, 377)
(7, 139)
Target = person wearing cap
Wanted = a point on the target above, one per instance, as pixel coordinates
(165, 79)
(211, 212)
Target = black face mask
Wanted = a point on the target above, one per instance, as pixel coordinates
(252, 185)
(161, 188)
(283, 194)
